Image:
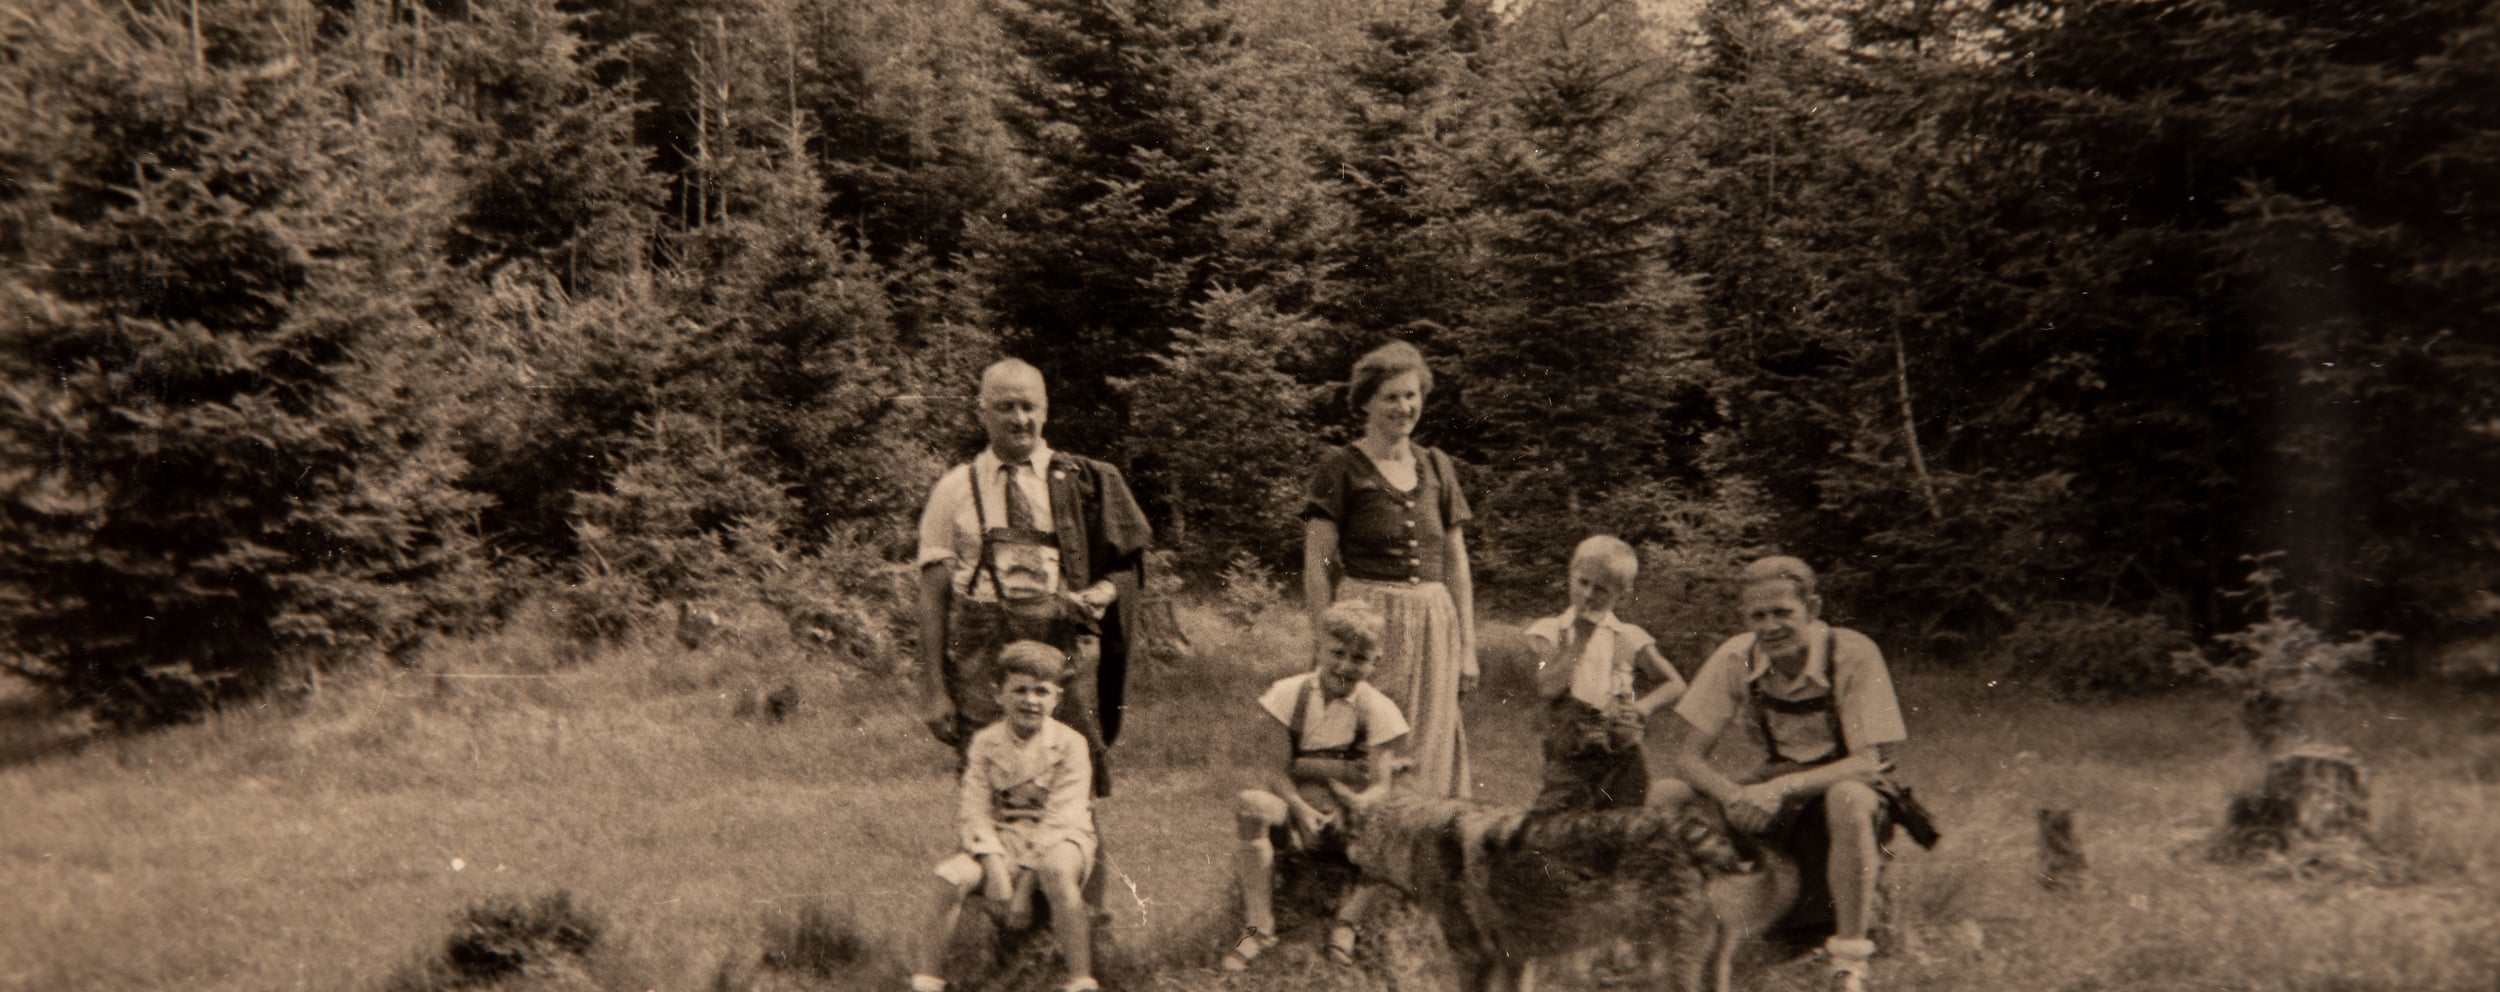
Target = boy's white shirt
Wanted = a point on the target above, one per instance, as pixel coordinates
(1332, 722)
(1600, 673)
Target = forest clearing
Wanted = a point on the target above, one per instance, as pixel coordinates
(334, 846)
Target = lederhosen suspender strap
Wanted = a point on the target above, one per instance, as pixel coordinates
(981, 519)
(1828, 704)
(1350, 751)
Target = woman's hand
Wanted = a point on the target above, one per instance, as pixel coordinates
(1466, 686)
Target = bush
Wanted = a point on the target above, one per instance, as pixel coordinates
(2094, 651)
(543, 943)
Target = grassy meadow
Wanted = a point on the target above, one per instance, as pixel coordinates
(330, 843)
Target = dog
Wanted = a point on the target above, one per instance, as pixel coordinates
(1509, 889)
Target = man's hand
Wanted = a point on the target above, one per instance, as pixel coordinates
(940, 719)
(1753, 807)
(1867, 768)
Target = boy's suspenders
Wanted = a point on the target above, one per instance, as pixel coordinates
(1828, 704)
(1351, 751)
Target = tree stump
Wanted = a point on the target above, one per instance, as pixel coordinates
(1157, 630)
(2062, 863)
(2314, 800)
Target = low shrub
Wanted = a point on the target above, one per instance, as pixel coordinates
(543, 943)
(2093, 651)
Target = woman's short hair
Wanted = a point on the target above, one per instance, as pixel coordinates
(1382, 364)
(1034, 659)
(1778, 567)
(1354, 623)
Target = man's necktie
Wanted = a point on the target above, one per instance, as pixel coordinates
(1019, 509)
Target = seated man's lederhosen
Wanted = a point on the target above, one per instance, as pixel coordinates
(977, 629)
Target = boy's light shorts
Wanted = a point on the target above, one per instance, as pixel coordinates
(963, 871)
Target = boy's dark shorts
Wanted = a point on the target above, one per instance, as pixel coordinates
(1588, 763)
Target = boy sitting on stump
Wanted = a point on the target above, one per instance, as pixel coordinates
(1025, 808)
(1337, 729)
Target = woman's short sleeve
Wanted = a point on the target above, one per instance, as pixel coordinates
(1454, 512)
(1325, 499)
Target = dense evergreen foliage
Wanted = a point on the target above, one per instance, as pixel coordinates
(336, 324)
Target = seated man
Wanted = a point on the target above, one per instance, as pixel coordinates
(1823, 704)
(1025, 806)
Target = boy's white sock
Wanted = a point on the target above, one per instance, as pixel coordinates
(922, 982)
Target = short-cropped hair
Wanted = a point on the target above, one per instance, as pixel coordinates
(1035, 659)
(1356, 623)
(1382, 364)
(1610, 552)
(1778, 567)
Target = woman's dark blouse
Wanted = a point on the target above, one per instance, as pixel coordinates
(1387, 534)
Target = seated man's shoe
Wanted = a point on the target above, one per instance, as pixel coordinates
(1849, 961)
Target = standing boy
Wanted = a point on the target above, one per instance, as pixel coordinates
(1823, 704)
(1025, 806)
(1337, 728)
(1589, 664)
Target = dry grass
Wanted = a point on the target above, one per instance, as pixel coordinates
(333, 847)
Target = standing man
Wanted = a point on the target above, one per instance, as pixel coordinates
(1026, 543)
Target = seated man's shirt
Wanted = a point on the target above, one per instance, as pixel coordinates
(1851, 674)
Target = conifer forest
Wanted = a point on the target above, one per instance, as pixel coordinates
(337, 327)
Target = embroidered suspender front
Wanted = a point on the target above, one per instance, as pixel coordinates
(1828, 704)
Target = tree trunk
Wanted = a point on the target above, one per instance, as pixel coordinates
(1909, 427)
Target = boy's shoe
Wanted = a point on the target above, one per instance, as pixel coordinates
(1085, 984)
(1253, 943)
(927, 983)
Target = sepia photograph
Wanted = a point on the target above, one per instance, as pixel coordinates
(1249, 495)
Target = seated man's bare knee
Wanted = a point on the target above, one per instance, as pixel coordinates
(1669, 792)
(1850, 804)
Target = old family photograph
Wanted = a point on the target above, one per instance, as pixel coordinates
(1261, 495)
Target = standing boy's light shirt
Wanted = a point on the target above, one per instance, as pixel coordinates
(950, 528)
(1053, 759)
(1852, 673)
(1602, 662)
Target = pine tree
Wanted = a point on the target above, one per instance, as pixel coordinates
(223, 472)
(1097, 265)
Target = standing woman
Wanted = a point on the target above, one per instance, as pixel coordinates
(1385, 523)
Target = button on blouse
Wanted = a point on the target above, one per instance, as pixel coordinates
(1384, 533)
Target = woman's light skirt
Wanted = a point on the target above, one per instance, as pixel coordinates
(1420, 660)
